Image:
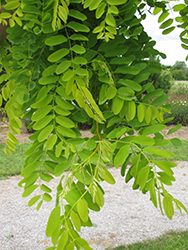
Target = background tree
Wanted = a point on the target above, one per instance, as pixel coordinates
(180, 71)
(68, 61)
(161, 76)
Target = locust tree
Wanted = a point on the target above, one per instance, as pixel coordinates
(71, 61)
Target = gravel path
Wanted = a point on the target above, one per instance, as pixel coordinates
(127, 216)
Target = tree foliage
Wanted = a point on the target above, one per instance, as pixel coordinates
(71, 60)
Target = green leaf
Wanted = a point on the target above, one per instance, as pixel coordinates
(46, 197)
(121, 155)
(125, 92)
(76, 220)
(80, 60)
(131, 110)
(49, 70)
(141, 112)
(94, 4)
(106, 175)
(58, 149)
(114, 10)
(60, 111)
(110, 20)
(87, 3)
(164, 166)
(63, 241)
(42, 102)
(45, 133)
(64, 104)
(82, 208)
(159, 152)
(124, 166)
(65, 122)
(5, 15)
(51, 142)
(12, 137)
(42, 122)
(45, 188)
(163, 16)
(117, 132)
(165, 178)
(153, 129)
(131, 84)
(167, 31)
(79, 98)
(61, 168)
(91, 144)
(29, 190)
(78, 37)
(39, 205)
(178, 7)
(68, 75)
(122, 60)
(71, 246)
(116, 2)
(33, 200)
(181, 205)
(55, 40)
(15, 122)
(82, 72)
(56, 56)
(160, 100)
(100, 10)
(142, 177)
(176, 142)
(40, 113)
(166, 23)
(77, 14)
(62, 67)
(117, 105)
(128, 70)
(12, 5)
(52, 221)
(184, 46)
(148, 115)
(46, 177)
(144, 140)
(174, 129)
(66, 131)
(98, 29)
(153, 192)
(168, 206)
(30, 168)
(111, 92)
(78, 49)
(78, 27)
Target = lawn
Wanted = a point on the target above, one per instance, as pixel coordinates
(169, 241)
(13, 164)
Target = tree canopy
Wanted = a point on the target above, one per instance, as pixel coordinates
(69, 61)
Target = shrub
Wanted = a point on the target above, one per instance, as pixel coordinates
(180, 88)
(180, 113)
(163, 80)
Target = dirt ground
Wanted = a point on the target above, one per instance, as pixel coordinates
(182, 133)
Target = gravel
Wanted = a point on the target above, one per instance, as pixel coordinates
(127, 216)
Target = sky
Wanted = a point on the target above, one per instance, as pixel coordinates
(168, 44)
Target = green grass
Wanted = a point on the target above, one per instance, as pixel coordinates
(181, 152)
(13, 164)
(169, 241)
